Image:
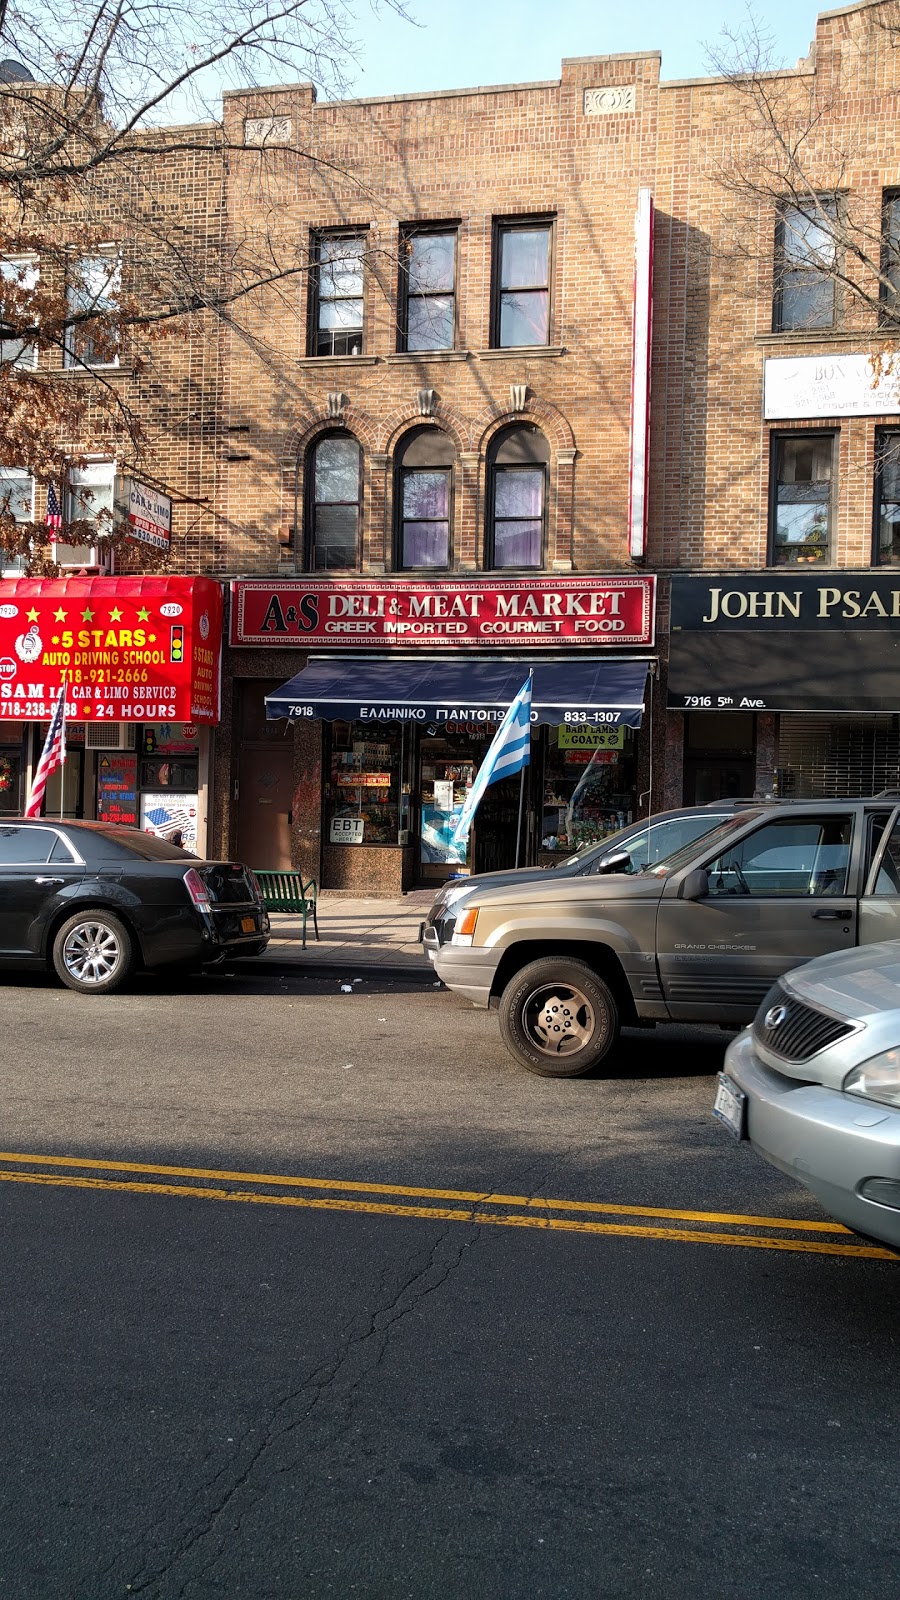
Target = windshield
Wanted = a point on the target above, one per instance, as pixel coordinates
(688, 852)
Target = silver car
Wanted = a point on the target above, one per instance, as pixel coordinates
(814, 1084)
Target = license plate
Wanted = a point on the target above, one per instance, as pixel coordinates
(248, 924)
(730, 1106)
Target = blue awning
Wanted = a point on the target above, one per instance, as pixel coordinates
(592, 692)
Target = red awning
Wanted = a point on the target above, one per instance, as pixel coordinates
(143, 649)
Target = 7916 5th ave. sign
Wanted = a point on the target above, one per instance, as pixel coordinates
(314, 612)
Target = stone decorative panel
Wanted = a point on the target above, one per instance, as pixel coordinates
(518, 394)
(606, 102)
(336, 402)
(268, 130)
(426, 401)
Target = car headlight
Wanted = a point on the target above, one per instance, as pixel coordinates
(464, 931)
(878, 1079)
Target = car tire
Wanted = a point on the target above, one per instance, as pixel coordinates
(558, 1018)
(93, 952)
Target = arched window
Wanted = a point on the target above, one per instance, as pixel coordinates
(424, 498)
(517, 495)
(334, 492)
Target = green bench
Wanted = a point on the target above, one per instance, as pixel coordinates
(286, 891)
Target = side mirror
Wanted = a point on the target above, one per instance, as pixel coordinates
(616, 861)
(696, 885)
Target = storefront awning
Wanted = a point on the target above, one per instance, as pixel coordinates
(462, 691)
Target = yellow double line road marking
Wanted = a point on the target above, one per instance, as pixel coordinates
(531, 1211)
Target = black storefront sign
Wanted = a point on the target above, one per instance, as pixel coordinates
(785, 641)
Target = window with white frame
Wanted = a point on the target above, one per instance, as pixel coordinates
(18, 279)
(88, 498)
(16, 501)
(92, 298)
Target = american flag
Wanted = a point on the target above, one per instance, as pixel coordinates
(53, 519)
(53, 755)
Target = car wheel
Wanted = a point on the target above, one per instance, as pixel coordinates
(558, 1018)
(93, 952)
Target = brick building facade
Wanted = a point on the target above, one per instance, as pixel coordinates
(443, 395)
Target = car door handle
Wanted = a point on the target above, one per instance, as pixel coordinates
(839, 912)
(49, 880)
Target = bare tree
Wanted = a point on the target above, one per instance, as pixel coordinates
(114, 240)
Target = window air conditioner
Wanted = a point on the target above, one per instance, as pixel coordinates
(110, 736)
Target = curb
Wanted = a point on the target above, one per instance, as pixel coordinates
(423, 975)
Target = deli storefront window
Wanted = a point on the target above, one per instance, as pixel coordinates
(589, 786)
(365, 800)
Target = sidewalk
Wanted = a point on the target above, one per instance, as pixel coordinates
(356, 937)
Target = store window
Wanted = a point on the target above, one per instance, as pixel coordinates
(19, 277)
(16, 501)
(168, 770)
(801, 498)
(424, 497)
(92, 302)
(889, 287)
(806, 264)
(521, 308)
(589, 786)
(517, 472)
(12, 778)
(366, 801)
(336, 296)
(886, 551)
(427, 289)
(88, 499)
(334, 478)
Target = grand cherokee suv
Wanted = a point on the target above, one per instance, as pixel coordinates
(698, 937)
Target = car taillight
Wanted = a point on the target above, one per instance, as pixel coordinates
(197, 889)
(254, 884)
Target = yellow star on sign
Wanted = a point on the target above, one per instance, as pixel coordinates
(143, 614)
(87, 614)
(115, 615)
(59, 615)
(32, 615)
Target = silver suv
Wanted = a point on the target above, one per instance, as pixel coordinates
(699, 937)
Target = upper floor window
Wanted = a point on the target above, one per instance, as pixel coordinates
(16, 501)
(801, 498)
(88, 499)
(336, 302)
(886, 552)
(806, 257)
(889, 287)
(425, 483)
(18, 279)
(92, 298)
(521, 309)
(517, 469)
(334, 496)
(427, 289)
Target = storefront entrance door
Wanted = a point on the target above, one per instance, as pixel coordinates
(265, 784)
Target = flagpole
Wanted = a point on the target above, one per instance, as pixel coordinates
(522, 788)
(62, 765)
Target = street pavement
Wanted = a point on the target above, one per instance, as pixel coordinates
(315, 1293)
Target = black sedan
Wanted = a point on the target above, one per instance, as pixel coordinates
(94, 902)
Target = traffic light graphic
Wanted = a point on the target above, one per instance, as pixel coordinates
(176, 642)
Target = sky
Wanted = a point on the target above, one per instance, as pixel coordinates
(458, 43)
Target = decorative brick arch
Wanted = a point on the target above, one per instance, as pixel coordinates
(540, 412)
(297, 445)
(558, 433)
(402, 420)
(349, 418)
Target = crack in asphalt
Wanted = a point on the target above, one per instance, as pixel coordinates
(363, 1344)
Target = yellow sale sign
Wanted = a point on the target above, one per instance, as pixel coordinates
(583, 738)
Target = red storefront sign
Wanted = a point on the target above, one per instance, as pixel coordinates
(130, 649)
(316, 612)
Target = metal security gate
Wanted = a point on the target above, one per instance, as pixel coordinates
(837, 757)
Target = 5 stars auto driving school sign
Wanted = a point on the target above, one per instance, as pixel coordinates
(129, 649)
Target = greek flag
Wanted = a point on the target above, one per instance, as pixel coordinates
(510, 751)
